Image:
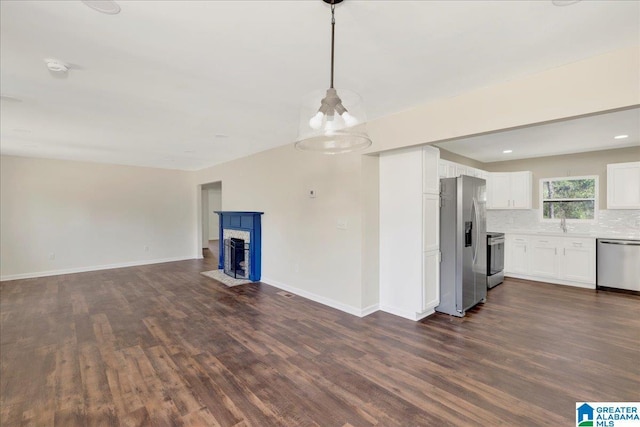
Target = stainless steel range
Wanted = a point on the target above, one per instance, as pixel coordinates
(495, 259)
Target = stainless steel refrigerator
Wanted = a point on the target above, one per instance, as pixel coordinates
(463, 243)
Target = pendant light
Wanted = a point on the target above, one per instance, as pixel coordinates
(332, 122)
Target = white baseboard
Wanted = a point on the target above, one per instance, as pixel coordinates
(360, 312)
(90, 268)
(411, 315)
(369, 310)
(551, 280)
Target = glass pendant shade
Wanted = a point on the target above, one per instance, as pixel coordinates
(332, 122)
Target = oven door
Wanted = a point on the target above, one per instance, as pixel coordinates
(496, 255)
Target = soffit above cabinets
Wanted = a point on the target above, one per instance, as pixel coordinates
(592, 133)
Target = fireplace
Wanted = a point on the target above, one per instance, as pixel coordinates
(240, 244)
(236, 258)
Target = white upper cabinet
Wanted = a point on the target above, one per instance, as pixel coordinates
(430, 174)
(623, 186)
(509, 190)
(447, 169)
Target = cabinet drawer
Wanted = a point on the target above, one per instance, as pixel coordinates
(579, 243)
(544, 242)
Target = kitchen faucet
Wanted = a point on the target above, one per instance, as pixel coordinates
(563, 224)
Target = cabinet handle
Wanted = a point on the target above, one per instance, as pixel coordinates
(564, 252)
(525, 249)
(543, 241)
(556, 250)
(577, 244)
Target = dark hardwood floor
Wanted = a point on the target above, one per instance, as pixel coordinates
(162, 345)
(212, 250)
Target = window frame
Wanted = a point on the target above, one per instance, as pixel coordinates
(595, 199)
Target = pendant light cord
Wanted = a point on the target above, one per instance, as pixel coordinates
(333, 30)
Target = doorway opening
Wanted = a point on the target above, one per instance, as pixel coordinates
(211, 196)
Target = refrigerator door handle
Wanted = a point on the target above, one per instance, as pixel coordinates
(475, 219)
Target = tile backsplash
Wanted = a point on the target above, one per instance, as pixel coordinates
(611, 223)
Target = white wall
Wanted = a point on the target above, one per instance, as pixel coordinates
(302, 249)
(215, 204)
(91, 215)
(204, 194)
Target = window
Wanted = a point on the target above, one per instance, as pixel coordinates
(572, 197)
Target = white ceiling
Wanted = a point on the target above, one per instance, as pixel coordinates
(158, 84)
(579, 135)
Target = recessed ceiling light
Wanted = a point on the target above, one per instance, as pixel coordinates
(103, 6)
(507, 151)
(621, 136)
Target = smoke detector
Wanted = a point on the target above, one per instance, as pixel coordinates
(103, 6)
(56, 66)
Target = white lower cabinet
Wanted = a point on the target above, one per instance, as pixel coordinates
(579, 260)
(544, 257)
(563, 260)
(516, 256)
(431, 281)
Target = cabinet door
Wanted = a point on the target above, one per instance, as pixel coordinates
(544, 258)
(442, 168)
(578, 261)
(431, 281)
(623, 186)
(451, 170)
(516, 256)
(520, 190)
(430, 222)
(430, 170)
(499, 191)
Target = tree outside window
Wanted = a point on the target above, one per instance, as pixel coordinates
(573, 198)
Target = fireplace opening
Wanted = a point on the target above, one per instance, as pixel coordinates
(236, 258)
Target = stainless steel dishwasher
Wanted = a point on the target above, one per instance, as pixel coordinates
(618, 264)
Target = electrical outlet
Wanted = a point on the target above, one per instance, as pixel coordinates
(52, 256)
(342, 224)
(146, 248)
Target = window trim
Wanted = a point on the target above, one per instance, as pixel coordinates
(596, 198)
